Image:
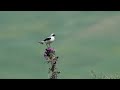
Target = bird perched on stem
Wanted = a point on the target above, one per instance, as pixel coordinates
(48, 40)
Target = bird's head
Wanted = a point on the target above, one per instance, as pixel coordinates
(53, 34)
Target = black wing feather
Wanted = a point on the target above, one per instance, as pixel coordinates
(47, 39)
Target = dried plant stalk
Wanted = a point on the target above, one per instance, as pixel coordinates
(52, 60)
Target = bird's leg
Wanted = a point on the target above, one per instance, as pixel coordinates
(49, 45)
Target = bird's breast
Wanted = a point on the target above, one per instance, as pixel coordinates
(52, 39)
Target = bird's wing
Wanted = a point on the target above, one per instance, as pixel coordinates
(47, 39)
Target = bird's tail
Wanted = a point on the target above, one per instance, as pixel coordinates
(41, 42)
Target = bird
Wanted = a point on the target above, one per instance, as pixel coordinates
(48, 40)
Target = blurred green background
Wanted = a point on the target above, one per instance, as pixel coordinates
(85, 41)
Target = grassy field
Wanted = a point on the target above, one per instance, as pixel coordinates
(85, 41)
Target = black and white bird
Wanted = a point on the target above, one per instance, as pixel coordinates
(48, 40)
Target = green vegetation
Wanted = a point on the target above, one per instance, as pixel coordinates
(85, 41)
(105, 76)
